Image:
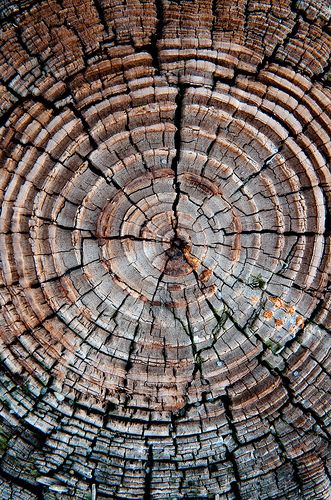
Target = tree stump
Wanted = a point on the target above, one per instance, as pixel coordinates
(165, 249)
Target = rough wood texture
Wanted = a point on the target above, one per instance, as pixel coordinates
(165, 249)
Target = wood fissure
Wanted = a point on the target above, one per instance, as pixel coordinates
(165, 249)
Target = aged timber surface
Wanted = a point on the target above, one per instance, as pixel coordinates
(165, 249)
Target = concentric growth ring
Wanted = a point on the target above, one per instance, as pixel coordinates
(165, 254)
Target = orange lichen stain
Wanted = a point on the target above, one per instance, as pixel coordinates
(268, 314)
(279, 322)
(194, 262)
(255, 299)
(299, 320)
(175, 288)
(292, 329)
(277, 301)
(205, 275)
(290, 309)
(236, 248)
(211, 290)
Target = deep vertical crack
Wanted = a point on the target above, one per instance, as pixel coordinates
(148, 474)
(174, 164)
(99, 8)
(153, 48)
(141, 374)
(229, 453)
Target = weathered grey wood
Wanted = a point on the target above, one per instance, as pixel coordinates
(165, 249)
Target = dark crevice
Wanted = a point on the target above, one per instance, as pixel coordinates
(159, 281)
(100, 10)
(276, 232)
(229, 416)
(131, 237)
(229, 454)
(84, 123)
(152, 48)
(174, 164)
(148, 474)
(178, 246)
(252, 176)
(58, 276)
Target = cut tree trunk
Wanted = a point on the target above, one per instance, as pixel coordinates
(165, 249)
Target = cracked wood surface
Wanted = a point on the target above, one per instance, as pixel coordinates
(165, 249)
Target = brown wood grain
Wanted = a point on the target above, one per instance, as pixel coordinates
(165, 249)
